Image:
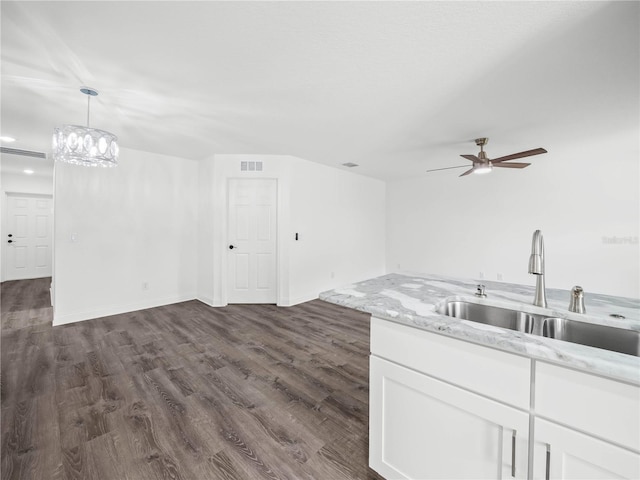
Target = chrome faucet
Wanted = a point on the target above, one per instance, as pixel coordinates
(536, 266)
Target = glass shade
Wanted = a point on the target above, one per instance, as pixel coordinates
(482, 169)
(85, 146)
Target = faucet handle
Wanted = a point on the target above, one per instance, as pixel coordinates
(576, 304)
(480, 292)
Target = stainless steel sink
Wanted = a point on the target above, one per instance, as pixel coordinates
(495, 316)
(599, 336)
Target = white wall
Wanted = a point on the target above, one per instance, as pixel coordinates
(578, 194)
(206, 231)
(162, 221)
(133, 224)
(339, 217)
(22, 183)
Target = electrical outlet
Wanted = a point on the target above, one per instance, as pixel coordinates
(145, 285)
(481, 275)
(499, 276)
(333, 274)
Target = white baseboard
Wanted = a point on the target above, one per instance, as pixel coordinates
(206, 300)
(290, 302)
(109, 310)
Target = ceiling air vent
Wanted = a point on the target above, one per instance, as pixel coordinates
(24, 153)
(350, 164)
(250, 166)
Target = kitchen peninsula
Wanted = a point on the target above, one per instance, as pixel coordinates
(452, 398)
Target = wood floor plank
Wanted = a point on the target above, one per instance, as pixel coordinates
(104, 460)
(183, 391)
(219, 466)
(27, 442)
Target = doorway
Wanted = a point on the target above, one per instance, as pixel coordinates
(252, 240)
(28, 236)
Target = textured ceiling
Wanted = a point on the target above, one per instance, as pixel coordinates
(397, 87)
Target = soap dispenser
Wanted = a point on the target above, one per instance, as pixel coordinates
(576, 304)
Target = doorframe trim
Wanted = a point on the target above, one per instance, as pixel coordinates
(225, 243)
(4, 224)
(228, 166)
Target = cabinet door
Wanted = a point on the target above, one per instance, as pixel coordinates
(562, 453)
(423, 428)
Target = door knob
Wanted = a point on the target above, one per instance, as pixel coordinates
(9, 241)
(231, 247)
(10, 235)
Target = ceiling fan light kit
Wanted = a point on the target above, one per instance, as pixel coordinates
(483, 164)
(86, 146)
(482, 169)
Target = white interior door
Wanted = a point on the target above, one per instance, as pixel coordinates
(28, 236)
(252, 260)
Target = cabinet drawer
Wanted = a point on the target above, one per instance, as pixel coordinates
(495, 374)
(596, 405)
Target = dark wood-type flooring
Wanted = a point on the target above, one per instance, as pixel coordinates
(183, 391)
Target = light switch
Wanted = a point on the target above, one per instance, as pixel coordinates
(74, 237)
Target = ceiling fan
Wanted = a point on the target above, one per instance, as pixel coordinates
(483, 164)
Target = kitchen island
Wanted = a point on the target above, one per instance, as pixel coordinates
(452, 398)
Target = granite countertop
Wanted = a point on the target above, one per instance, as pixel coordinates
(412, 301)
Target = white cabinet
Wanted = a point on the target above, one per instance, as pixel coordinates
(491, 373)
(561, 453)
(443, 408)
(599, 406)
(586, 427)
(423, 428)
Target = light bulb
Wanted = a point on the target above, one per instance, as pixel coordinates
(482, 169)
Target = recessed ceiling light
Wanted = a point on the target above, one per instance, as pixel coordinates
(7, 139)
(28, 171)
(350, 164)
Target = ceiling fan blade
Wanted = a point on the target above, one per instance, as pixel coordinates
(473, 158)
(511, 165)
(467, 172)
(447, 168)
(528, 153)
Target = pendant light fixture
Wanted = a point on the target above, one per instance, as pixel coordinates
(85, 145)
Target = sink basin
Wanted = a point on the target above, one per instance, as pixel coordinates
(599, 336)
(494, 316)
